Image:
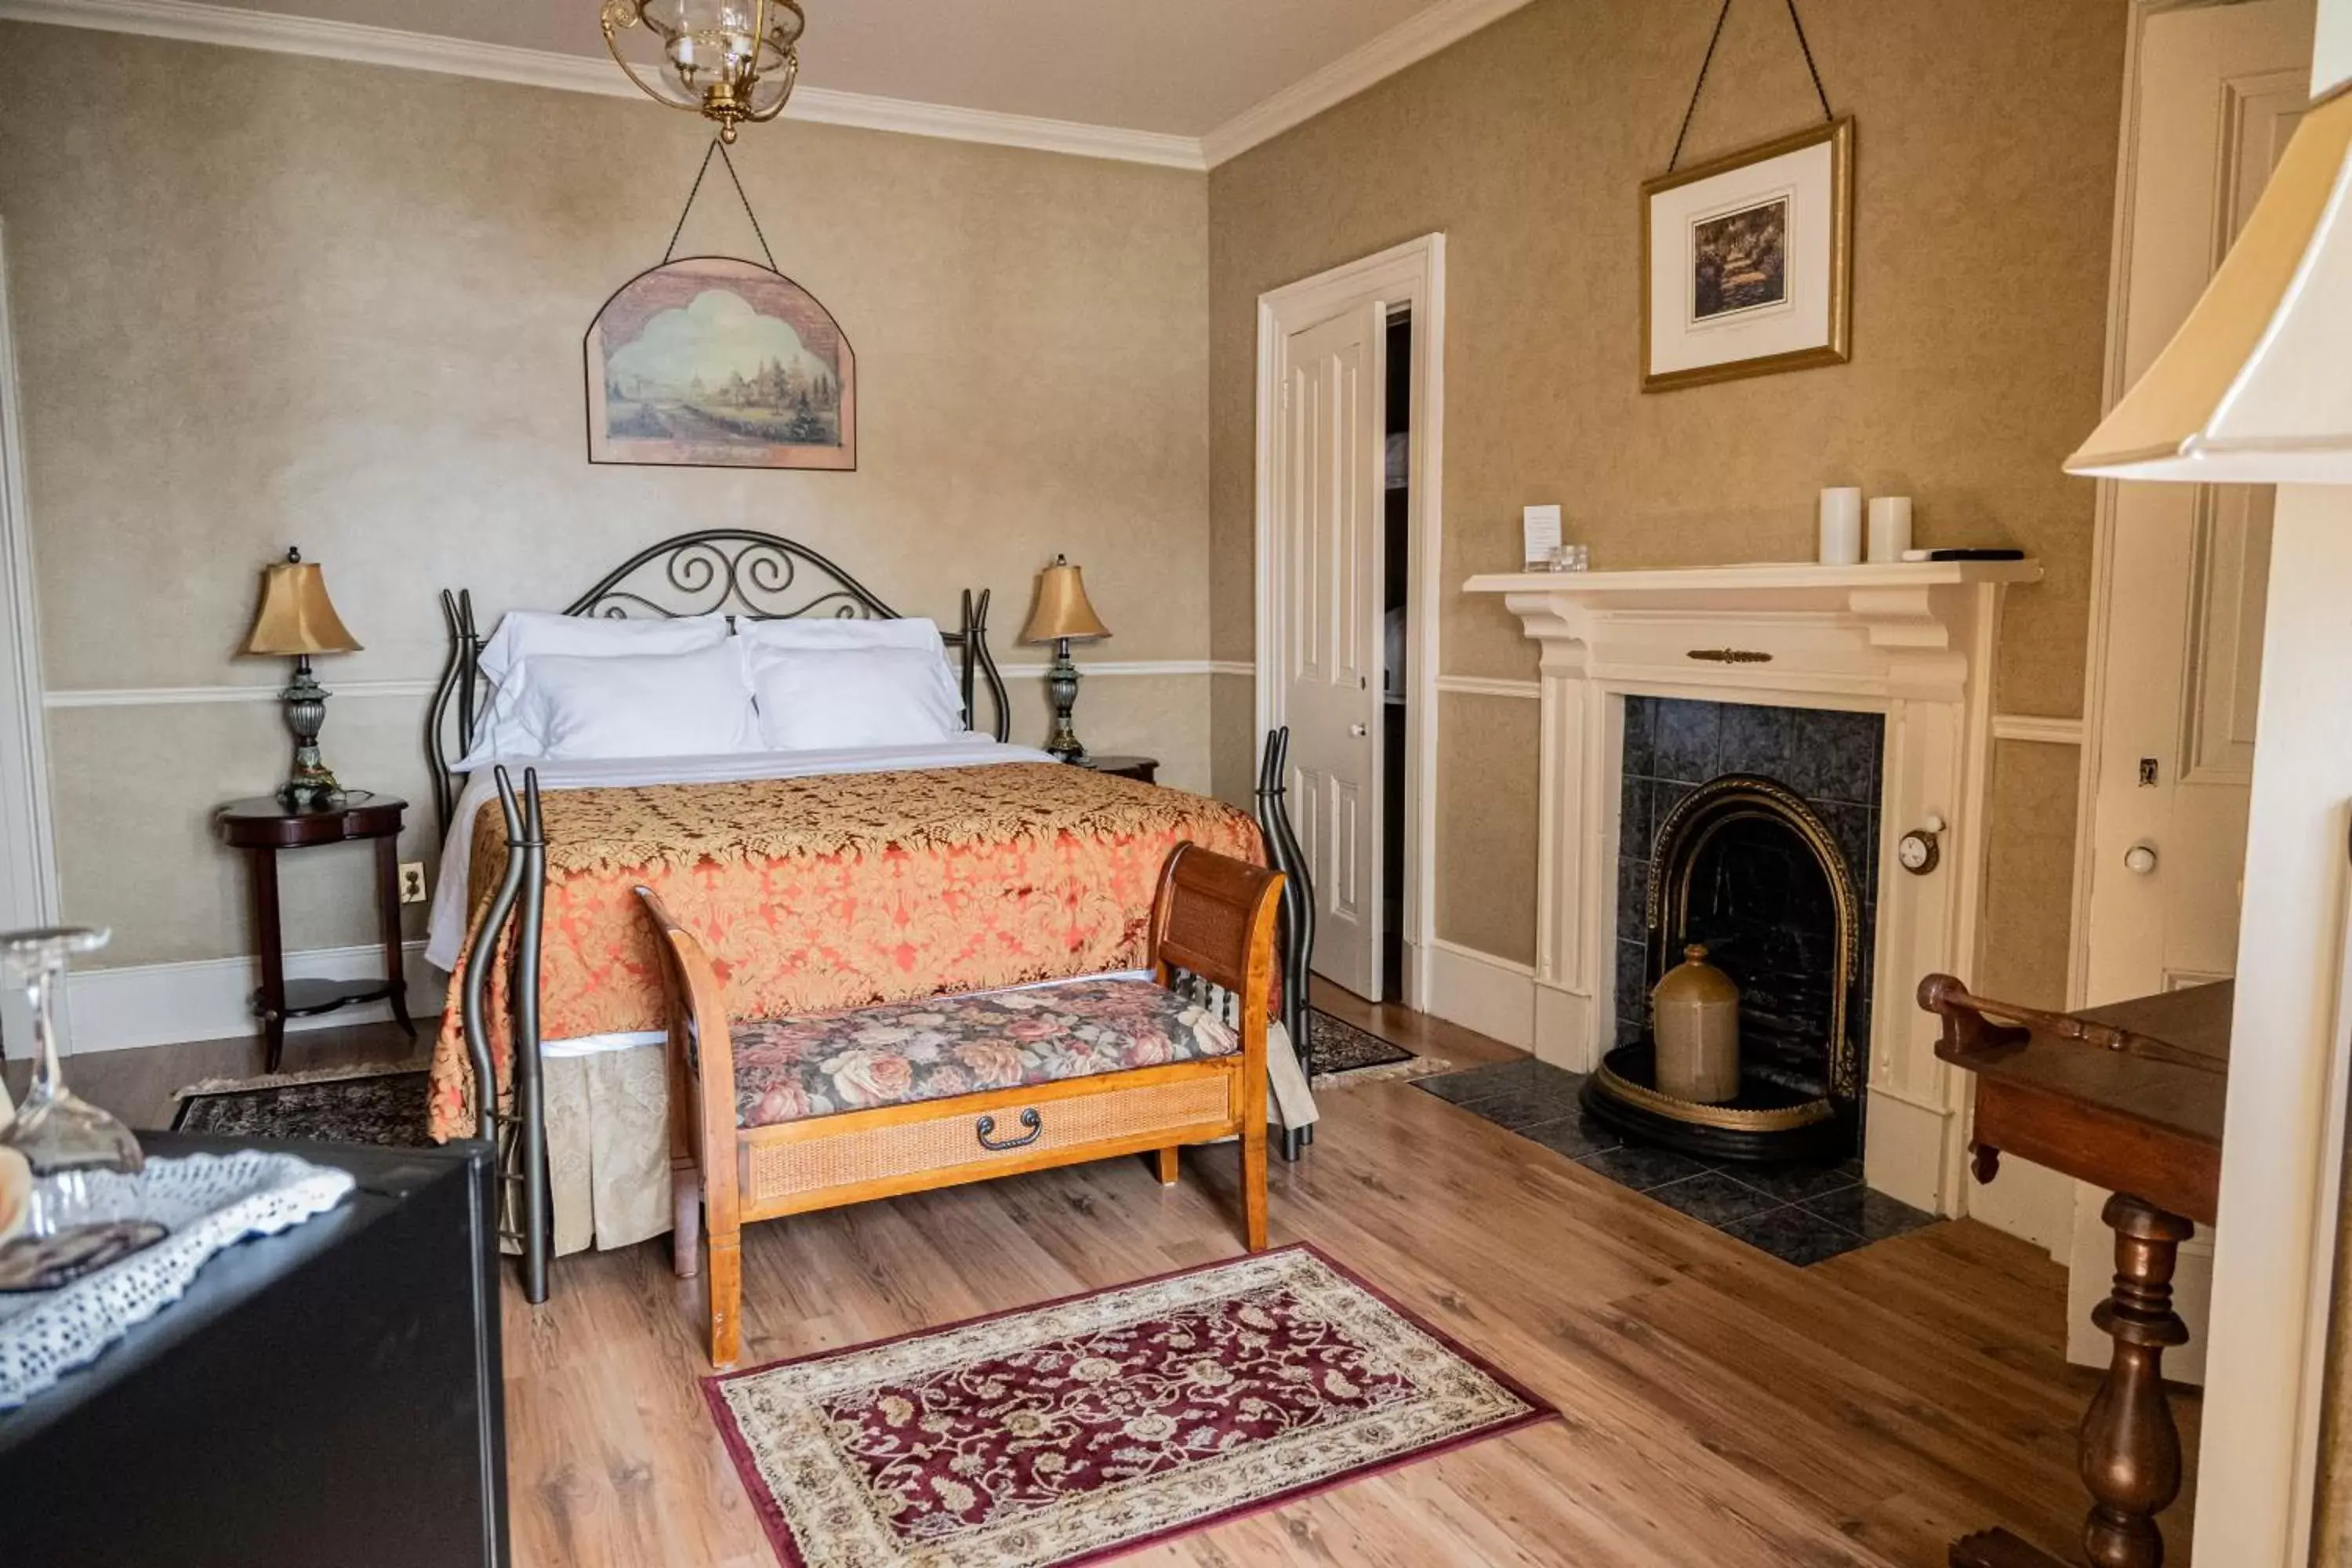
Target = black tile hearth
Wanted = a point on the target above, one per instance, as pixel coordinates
(1714, 1196)
(1640, 1167)
(1873, 1215)
(1793, 1235)
(1800, 1214)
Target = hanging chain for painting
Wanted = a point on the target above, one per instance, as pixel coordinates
(1699, 87)
(719, 147)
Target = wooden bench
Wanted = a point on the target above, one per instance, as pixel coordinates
(783, 1116)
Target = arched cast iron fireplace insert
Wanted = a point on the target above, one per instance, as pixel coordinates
(1746, 866)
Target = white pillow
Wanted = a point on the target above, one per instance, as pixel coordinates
(829, 634)
(630, 705)
(502, 728)
(825, 699)
(522, 633)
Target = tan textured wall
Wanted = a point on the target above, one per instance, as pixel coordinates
(1486, 822)
(1985, 170)
(262, 299)
(2026, 913)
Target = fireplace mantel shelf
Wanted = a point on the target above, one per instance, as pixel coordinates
(1752, 584)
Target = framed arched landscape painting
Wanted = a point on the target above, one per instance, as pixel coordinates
(710, 361)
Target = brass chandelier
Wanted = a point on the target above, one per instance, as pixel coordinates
(727, 60)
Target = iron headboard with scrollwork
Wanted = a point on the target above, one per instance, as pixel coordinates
(714, 570)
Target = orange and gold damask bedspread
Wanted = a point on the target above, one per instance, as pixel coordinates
(839, 891)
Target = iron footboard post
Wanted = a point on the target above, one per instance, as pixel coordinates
(478, 959)
(522, 1144)
(1297, 931)
(530, 1083)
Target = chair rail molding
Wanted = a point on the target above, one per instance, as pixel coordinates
(1912, 641)
(249, 691)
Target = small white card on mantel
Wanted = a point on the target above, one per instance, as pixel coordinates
(1541, 525)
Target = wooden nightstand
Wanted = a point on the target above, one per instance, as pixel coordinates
(1144, 770)
(264, 827)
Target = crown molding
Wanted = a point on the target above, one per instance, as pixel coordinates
(1409, 42)
(195, 22)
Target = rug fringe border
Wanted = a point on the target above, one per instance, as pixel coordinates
(1387, 1072)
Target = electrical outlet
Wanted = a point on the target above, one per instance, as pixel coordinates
(412, 881)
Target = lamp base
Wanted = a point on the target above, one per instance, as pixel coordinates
(1062, 687)
(310, 786)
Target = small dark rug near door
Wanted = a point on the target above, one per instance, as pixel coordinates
(1343, 1053)
(382, 1105)
(1093, 1426)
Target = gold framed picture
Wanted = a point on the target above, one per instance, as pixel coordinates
(1748, 261)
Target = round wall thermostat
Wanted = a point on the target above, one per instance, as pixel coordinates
(1917, 851)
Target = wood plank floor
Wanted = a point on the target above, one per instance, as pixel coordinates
(1721, 1407)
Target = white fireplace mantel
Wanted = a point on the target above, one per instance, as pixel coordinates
(1912, 641)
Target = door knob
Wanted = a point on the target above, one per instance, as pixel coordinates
(1358, 731)
(2140, 859)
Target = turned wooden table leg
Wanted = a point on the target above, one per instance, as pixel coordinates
(2130, 1450)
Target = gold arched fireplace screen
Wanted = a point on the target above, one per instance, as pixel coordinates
(1696, 825)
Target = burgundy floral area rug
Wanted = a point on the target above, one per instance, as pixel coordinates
(1083, 1428)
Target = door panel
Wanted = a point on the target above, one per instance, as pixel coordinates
(1330, 521)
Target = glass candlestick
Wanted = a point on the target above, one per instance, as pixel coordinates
(62, 1136)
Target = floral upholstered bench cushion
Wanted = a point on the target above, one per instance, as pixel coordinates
(821, 1063)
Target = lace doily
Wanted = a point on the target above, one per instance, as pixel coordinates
(208, 1202)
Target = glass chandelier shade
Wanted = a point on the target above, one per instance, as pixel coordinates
(732, 61)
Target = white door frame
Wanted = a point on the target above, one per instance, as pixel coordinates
(28, 869)
(1410, 276)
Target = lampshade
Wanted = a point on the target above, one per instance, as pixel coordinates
(1062, 609)
(296, 616)
(2256, 386)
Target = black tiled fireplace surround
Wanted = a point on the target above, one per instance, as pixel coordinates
(1832, 759)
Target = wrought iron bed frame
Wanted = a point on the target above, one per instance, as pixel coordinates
(752, 580)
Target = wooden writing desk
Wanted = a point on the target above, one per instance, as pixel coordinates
(2128, 1098)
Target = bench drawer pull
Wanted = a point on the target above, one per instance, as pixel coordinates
(1029, 1119)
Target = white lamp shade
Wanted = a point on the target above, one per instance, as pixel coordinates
(2256, 386)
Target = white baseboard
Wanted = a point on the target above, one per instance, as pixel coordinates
(211, 999)
(1567, 1034)
(2032, 1203)
(1903, 1153)
(1478, 991)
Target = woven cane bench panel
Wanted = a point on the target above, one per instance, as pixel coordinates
(949, 1141)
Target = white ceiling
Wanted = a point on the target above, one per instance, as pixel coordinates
(1172, 66)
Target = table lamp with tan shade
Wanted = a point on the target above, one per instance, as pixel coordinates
(1062, 617)
(296, 618)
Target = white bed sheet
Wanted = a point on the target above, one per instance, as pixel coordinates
(445, 933)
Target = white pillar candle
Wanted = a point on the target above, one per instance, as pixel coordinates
(1890, 527)
(1841, 526)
